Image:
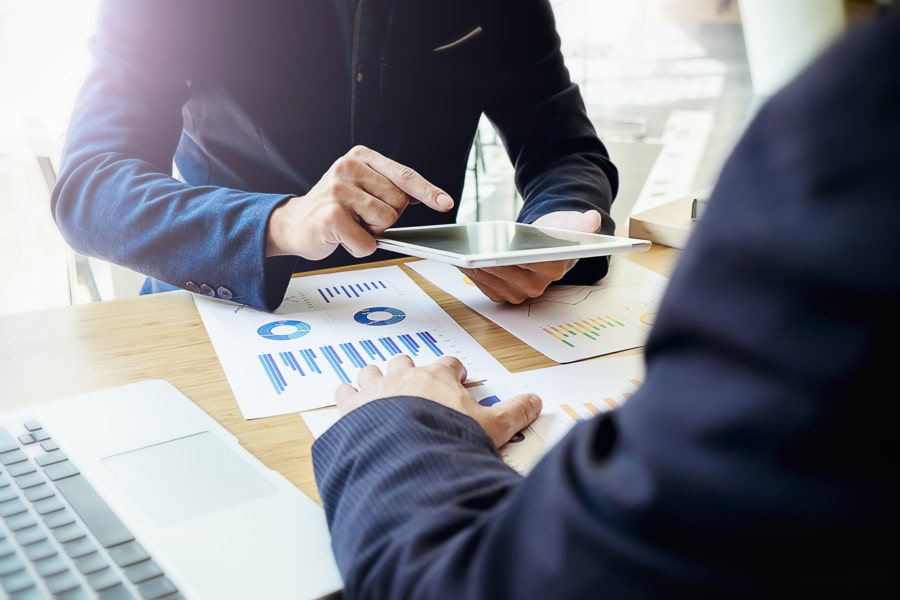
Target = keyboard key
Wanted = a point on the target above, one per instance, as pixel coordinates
(80, 547)
(35, 593)
(20, 521)
(115, 593)
(51, 458)
(21, 468)
(51, 565)
(128, 554)
(68, 533)
(103, 579)
(7, 442)
(48, 505)
(91, 563)
(8, 493)
(62, 582)
(29, 480)
(40, 435)
(16, 582)
(157, 589)
(38, 492)
(93, 510)
(60, 470)
(12, 507)
(10, 458)
(58, 519)
(40, 550)
(6, 547)
(30, 535)
(10, 564)
(143, 571)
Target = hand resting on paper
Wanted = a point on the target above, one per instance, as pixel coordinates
(517, 283)
(441, 382)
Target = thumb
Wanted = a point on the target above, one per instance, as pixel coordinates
(507, 418)
(588, 221)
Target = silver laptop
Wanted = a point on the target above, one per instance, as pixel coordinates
(135, 492)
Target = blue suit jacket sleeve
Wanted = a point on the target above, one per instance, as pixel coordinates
(758, 456)
(116, 197)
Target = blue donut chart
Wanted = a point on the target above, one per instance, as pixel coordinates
(300, 329)
(368, 316)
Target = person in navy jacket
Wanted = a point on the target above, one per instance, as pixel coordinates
(300, 129)
(758, 458)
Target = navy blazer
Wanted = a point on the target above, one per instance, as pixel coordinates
(253, 101)
(758, 459)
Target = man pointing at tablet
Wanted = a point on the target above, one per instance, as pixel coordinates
(300, 130)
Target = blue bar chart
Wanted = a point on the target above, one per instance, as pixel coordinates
(350, 290)
(337, 361)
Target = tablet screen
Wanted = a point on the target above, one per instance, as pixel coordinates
(492, 243)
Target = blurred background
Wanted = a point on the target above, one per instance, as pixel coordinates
(669, 85)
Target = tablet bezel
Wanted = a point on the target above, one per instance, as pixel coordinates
(589, 244)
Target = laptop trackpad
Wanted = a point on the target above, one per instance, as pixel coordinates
(187, 477)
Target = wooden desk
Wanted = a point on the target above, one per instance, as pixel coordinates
(55, 353)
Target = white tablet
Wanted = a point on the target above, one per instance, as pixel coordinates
(497, 243)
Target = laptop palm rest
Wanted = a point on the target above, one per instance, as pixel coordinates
(188, 477)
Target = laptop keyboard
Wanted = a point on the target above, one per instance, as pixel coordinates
(58, 537)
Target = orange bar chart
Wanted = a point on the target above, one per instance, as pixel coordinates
(572, 413)
(590, 409)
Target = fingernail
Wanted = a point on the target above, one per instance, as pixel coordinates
(444, 201)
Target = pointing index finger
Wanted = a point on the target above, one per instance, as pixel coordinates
(411, 182)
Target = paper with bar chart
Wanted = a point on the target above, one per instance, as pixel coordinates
(570, 393)
(568, 322)
(327, 329)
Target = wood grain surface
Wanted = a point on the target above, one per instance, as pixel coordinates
(50, 354)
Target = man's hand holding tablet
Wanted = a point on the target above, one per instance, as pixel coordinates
(512, 262)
